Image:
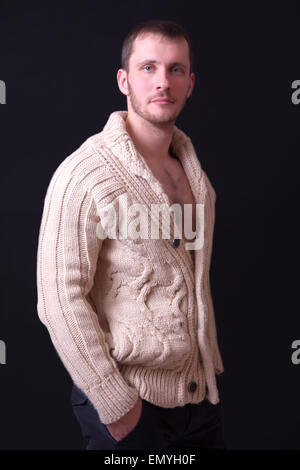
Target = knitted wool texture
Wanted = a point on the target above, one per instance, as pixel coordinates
(127, 317)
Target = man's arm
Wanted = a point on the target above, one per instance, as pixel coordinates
(68, 250)
(218, 363)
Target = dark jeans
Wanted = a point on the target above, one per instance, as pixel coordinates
(193, 426)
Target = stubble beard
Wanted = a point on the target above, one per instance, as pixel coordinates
(164, 120)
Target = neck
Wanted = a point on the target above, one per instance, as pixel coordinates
(151, 140)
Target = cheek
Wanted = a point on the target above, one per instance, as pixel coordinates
(183, 90)
(142, 88)
(146, 86)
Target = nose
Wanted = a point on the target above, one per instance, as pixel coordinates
(163, 82)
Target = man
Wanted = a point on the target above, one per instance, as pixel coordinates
(132, 317)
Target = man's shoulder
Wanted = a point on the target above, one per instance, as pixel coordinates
(95, 142)
(88, 154)
(85, 164)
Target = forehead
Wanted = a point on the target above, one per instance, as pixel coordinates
(154, 46)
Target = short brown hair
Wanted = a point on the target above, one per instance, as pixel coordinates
(166, 28)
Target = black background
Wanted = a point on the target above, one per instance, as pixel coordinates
(59, 63)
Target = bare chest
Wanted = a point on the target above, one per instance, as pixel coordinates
(176, 185)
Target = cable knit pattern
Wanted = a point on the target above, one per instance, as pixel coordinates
(128, 317)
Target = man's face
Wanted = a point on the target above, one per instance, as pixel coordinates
(159, 68)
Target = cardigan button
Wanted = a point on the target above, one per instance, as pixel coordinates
(175, 242)
(192, 387)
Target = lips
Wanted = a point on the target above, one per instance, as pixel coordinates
(162, 100)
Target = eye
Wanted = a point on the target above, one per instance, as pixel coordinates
(177, 68)
(147, 66)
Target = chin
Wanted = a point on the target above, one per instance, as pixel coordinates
(164, 117)
(167, 119)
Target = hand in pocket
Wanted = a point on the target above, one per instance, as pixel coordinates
(121, 428)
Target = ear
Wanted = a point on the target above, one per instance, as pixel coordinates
(192, 84)
(122, 81)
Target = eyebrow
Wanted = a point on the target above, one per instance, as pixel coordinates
(152, 61)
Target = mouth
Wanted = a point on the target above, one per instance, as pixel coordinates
(162, 101)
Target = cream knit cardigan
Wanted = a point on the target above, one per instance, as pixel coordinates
(130, 317)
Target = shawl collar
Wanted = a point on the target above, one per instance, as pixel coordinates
(118, 140)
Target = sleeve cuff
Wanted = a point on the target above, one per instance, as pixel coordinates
(112, 398)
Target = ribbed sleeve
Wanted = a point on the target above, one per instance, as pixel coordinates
(68, 250)
(218, 363)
